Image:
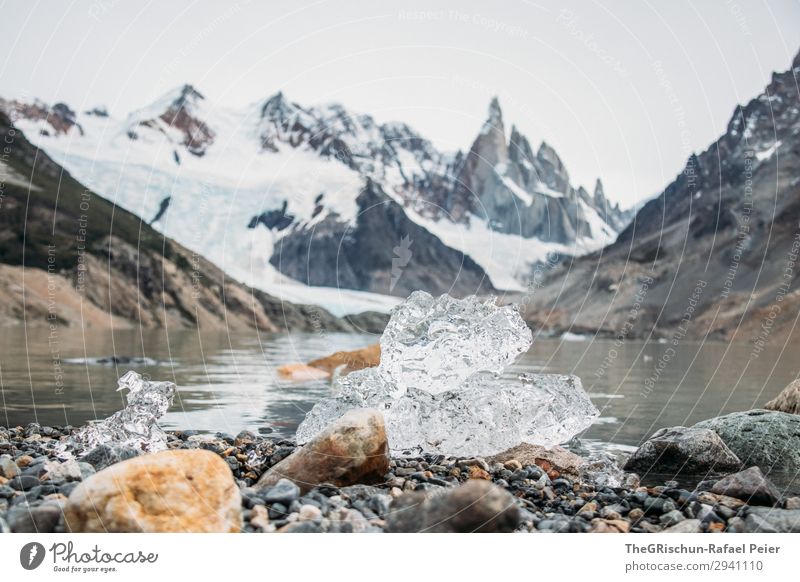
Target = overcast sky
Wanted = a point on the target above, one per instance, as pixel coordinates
(624, 90)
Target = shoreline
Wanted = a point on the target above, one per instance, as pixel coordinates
(550, 498)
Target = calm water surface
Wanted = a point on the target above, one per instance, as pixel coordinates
(227, 381)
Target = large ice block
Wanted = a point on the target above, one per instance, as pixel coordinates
(440, 387)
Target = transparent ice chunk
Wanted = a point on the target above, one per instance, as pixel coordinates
(135, 426)
(602, 470)
(439, 388)
(434, 344)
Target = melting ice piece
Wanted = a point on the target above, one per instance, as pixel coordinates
(485, 416)
(439, 388)
(136, 425)
(434, 344)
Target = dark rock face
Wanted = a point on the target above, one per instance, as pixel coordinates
(681, 450)
(770, 440)
(750, 486)
(476, 506)
(277, 219)
(384, 252)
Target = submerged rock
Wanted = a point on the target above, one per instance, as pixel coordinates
(341, 363)
(439, 388)
(750, 486)
(788, 400)
(476, 506)
(681, 450)
(765, 438)
(170, 491)
(346, 362)
(351, 450)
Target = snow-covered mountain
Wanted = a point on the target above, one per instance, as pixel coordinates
(322, 205)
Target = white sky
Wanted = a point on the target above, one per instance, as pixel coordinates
(624, 90)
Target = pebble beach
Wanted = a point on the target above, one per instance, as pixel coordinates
(525, 494)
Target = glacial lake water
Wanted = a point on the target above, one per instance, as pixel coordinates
(227, 381)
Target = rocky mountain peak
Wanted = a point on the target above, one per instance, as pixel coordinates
(276, 107)
(491, 143)
(599, 194)
(179, 116)
(58, 119)
(495, 114)
(554, 172)
(519, 148)
(187, 97)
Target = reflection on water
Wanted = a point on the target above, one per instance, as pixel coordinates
(227, 381)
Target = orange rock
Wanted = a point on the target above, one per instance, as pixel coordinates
(476, 472)
(323, 368)
(170, 491)
(354, 360)
(302, 372)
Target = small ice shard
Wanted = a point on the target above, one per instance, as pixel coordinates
(440, 387)
(602, 470)
(135, 426)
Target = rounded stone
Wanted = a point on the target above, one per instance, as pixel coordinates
(170, 491)
(351, 450)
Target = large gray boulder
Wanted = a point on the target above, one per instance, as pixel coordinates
(765, 438)
(681, 450)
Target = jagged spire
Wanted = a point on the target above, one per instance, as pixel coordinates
(599, 193)
(495, 113)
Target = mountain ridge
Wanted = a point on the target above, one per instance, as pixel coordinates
(292, 168)
(713, 256)
(81, 261)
